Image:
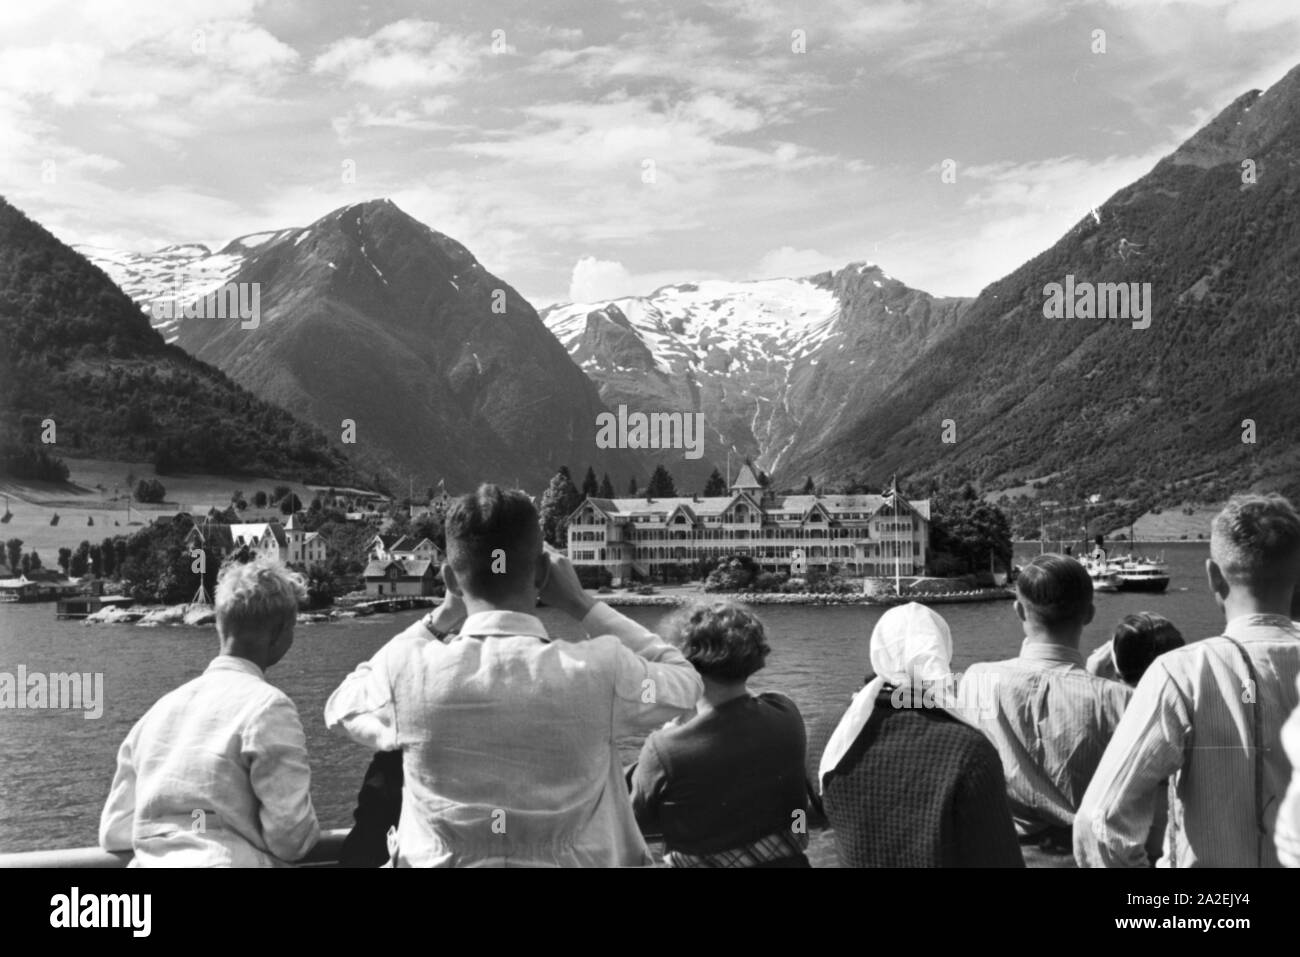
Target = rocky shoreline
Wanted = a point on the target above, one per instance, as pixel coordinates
(826, 598)
(152, 616)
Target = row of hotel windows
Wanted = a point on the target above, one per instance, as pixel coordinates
(713, 534)
(739, 516)
(653, 555)
(772, 551)
(680, 553)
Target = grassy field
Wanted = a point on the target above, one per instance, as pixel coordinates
(1173, 525)
(96, 489)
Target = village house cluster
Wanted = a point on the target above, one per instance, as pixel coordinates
(400, 565)
(287, 542)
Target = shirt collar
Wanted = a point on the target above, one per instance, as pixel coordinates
(1243, 625)
(1050, 652)
(504, 624)
(235, 663)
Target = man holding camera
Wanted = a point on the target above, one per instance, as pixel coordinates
(509, 738)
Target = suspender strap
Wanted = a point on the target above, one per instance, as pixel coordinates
(1257, 711)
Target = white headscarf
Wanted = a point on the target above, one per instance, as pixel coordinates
(910, 644)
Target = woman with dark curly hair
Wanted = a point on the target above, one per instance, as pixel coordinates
(725, 786)
(1139, 639)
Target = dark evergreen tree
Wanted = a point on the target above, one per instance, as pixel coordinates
(715, 486)
(13, 554)
(661, 484)
(559, 501)
(150, 491)
(590, 487)
(606, 487)
(966, 533)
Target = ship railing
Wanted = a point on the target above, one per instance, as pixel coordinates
(324, 854)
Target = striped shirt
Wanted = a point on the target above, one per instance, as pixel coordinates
(510, 740)
(1050, 721)
(1192, 719)
(1288, 818)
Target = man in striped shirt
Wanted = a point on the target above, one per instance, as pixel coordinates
(1051, 719)
(1209, 716)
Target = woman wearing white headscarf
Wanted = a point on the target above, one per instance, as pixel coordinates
(905, 782)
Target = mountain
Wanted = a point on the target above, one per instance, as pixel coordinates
(1096, 406)
(776, 365)
(79, 352)
(176, 273)
(446, 372)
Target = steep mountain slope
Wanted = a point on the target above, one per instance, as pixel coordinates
(774, 365)
(370, 316)
(1153, 415)
(78, 351)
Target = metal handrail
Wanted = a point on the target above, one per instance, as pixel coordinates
(324, 854)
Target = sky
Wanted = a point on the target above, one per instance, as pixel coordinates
(587, 150)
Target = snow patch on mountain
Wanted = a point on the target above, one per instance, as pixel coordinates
(749, 324)
(175, 274)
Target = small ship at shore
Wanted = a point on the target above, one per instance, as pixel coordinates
(1140, 574)
(1129, 573)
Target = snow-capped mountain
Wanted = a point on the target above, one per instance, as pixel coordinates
(371, 316)
(442, 370)
(773, 364)
(178, 273)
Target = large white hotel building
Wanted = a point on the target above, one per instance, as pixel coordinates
(868, 535)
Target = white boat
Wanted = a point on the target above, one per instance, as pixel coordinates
(1104, 578)
(1141, 574)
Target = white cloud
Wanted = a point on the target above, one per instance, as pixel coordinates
(405, 55)
(598, 279)
(766, 161)
(790, 263)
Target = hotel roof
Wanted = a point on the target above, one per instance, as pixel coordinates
(798, 505)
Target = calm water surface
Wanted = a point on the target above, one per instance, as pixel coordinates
(56, 766)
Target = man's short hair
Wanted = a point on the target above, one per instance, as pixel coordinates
(252, 595)
(493, 541)
(1138, 640)
(1255, 541)
(1055, 589)
(723, 640)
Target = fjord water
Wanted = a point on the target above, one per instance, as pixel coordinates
(56, 766)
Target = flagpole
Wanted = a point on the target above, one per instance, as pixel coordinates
(898, 587)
